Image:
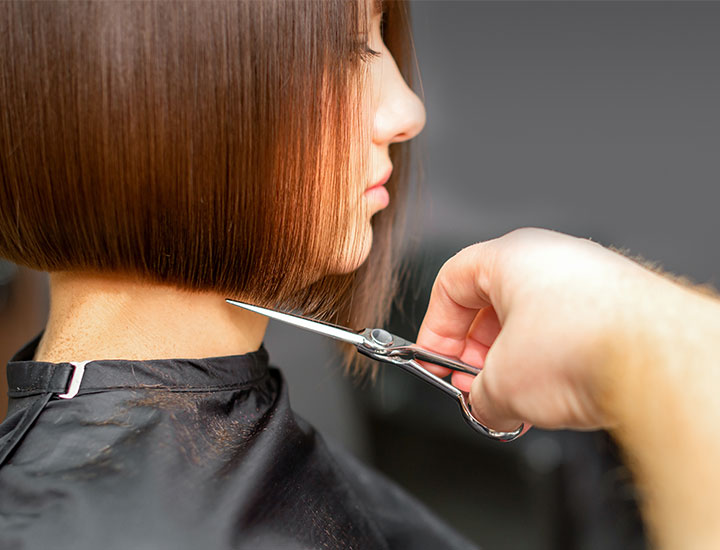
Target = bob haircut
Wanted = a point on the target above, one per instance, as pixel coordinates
(206, 145)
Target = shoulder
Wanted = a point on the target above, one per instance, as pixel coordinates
(403, 521)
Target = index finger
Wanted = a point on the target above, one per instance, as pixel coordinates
(456, 297)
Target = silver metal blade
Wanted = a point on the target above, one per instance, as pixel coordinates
(321, 327)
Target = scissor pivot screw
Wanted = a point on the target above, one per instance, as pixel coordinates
(382, 337)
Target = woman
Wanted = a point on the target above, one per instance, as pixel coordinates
(157, 158)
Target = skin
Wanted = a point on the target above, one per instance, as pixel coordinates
(573, 335)
(95, 316)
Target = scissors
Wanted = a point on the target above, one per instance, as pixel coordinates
(381, 345)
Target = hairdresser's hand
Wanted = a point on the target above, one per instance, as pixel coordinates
(540, 312)
(573, 335)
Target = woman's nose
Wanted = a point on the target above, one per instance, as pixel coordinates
(400, 114)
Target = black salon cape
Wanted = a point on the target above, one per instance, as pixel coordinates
(194, 454)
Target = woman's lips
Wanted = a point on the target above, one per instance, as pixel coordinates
(377, 193)
(381, 181)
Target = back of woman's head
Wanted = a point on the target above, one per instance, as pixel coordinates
(208, 145)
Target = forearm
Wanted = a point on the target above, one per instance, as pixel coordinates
(581, 337)
(662, 398)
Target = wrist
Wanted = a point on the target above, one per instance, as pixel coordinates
(656, 324)
(660, 384)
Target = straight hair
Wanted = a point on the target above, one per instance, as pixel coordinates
(206, 145)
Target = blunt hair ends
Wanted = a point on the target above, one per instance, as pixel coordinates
(206, 145)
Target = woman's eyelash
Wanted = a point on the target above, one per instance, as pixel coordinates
(363, 48)
(367, 54)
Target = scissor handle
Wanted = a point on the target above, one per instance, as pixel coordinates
(453, 363)
(415, 368)
(386, 344)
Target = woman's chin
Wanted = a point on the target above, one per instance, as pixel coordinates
(356, 256)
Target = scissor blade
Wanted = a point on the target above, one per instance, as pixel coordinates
(321, 327)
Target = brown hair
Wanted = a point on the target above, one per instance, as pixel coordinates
(208, 145)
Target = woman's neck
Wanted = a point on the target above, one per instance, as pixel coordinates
(107, 317)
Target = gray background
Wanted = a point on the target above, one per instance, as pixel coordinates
(599, 119)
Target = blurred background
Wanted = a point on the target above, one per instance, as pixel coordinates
(598, 119)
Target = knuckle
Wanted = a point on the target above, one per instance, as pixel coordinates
(523, 233)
